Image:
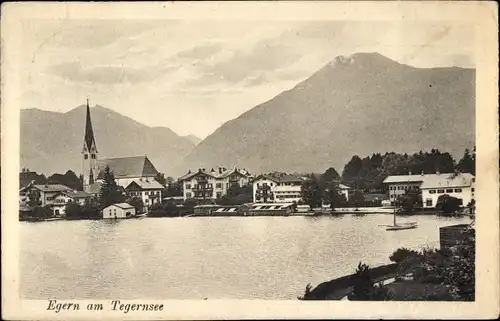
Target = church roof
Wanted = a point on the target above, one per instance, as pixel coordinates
(128, 167)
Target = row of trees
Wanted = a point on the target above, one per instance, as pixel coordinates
(325, 189)
(368, 173)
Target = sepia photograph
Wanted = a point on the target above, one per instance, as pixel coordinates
(194, 157)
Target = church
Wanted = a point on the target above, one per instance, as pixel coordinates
(130, 172)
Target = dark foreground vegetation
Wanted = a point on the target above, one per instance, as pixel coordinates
(427, 275)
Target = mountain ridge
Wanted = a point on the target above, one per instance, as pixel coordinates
(41, 128)
(355, 90)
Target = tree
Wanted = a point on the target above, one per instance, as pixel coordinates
(68, 179)
(364, 287)
(160, 178)
(409, 201)
(73, 210)
(137, 203)
(357, 199)
(330, 175)
(311, 192)
(42, 212)
(109, 193)
(91, 208)
(448, 204)
(172, 189)
(468, 163)
(333, 196)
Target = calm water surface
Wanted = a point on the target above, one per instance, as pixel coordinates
(196, 258)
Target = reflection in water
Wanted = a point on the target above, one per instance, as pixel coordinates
(194, 258)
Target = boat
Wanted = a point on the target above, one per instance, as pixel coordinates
(400, 226)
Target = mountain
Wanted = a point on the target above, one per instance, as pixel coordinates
(360, 104)
(193, 139)
(52, 142)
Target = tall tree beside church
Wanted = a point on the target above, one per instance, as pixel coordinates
(109, 193)
(468, 162)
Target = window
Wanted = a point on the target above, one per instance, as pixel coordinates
(218, 185)
(258, 184)
(188, 186)
(440, 191)
(449, 190)
(93, 156)
(390, 188)
(473, 190)
(219, 194)
(188, 195)
(428, 202)
(86, 156)
(458, 190)
(460, 202)
(432, 191)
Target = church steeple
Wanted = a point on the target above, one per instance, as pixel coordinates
(90, 168)
(89, 140)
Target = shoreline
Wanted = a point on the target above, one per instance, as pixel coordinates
(333, 214)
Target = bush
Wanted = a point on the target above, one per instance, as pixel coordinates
(364, 287)
(448, 204)
(402, 254)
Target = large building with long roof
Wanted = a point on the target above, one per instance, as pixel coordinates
(431, 186)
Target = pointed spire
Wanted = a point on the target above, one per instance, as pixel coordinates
(89, 132)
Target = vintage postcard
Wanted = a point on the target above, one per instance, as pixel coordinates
(236, 160)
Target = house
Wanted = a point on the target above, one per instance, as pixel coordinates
(431, 186)
(285, 188)
(120, 210)
(45, 194)
(65, 197)
(213, 184)
(149, 190)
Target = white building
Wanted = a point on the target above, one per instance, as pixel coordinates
(149, 190)
(458, 185)
(283, 189)
(66, 197)
(120, 210)
(213, 184)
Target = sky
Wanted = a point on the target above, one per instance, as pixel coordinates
(193, 76)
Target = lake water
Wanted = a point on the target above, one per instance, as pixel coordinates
(217, 257)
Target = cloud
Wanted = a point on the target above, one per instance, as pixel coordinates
(74, 71)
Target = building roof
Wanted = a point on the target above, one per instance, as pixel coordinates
(270, 206)
(77, 194)
(122, 205)
(217, 173)
(52, 188)
(448, 180)
(281, 179)
(434, 180)
(128, 167)
(146, 184)
(405, 178)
